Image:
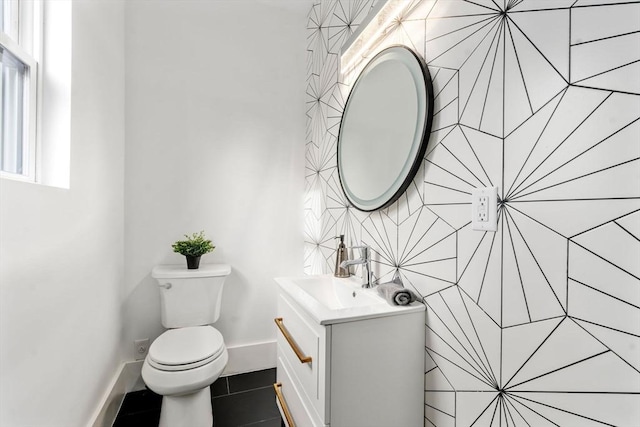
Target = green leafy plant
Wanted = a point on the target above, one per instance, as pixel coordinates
(195, 245)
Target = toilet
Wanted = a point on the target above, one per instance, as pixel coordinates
(186, 359)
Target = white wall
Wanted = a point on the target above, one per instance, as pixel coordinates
(61, 261)
(215, 120)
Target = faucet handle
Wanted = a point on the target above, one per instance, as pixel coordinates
(365, 250)
(365, 260)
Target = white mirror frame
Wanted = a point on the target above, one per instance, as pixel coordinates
(373, 171)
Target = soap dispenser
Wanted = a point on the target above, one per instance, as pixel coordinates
(341, 255)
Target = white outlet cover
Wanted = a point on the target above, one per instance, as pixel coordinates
(141, 348)
(492, 221)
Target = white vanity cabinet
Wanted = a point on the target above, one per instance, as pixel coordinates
(365, 371)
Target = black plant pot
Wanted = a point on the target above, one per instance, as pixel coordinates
(193, 262)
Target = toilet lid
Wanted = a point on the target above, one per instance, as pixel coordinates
(186, 348)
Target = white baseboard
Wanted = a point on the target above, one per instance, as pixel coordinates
(126, 379)
(250, 357)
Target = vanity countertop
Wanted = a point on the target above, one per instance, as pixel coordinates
(330, 300)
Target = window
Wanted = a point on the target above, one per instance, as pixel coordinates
(19, 49)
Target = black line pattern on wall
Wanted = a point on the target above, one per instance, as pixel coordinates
(537, 324)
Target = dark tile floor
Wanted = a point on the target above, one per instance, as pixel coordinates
(244, 400)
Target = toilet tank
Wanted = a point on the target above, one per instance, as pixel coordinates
(190, 297)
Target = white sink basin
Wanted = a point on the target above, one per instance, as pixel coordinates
(334, 300)
(336, 293)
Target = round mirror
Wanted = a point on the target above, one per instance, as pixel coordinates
(385, 128)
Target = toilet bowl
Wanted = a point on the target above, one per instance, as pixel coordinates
(187, 358)
(180, 366)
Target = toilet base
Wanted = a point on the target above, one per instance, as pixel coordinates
(187, 410)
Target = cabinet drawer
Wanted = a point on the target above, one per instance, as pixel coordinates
(309, 339)
(301, 414)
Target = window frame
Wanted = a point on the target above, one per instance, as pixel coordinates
(28, 50)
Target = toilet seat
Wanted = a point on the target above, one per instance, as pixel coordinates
(186, 348)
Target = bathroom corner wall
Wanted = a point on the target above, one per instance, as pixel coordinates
(61, 261)
(214, 130)
(537, 323)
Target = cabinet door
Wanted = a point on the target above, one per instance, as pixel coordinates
(291, 396)
(300, 339)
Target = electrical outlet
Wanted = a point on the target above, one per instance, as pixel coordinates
(484, 208)
(141, 348)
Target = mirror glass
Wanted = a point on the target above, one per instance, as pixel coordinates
(384, 129)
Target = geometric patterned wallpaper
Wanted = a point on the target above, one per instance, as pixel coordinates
(537, 324)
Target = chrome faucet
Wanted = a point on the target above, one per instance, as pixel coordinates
(365, 260)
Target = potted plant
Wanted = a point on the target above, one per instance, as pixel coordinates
(193, 248)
